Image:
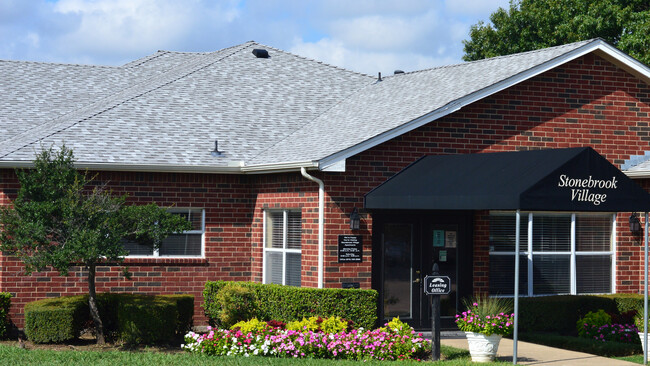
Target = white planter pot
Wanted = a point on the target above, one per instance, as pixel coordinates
(482, 348)
(641, 338)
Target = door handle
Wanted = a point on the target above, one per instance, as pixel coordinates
(417, 280)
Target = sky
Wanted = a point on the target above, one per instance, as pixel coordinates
(367, 36)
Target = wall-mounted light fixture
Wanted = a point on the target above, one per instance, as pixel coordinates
(355, 220)
(635, 224)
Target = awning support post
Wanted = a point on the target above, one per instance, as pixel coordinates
(645, 291)
(516, 297)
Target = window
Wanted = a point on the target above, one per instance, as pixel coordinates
(282, 247)
(566, 253)
(185, 244)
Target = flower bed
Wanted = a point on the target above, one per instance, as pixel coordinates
(379, 344)
(623, 333)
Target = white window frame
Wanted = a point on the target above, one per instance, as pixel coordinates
(156, 251)
(573, 253)
(284, 250)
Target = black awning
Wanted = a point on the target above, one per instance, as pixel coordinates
(574, 179)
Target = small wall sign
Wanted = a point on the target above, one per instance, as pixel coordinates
(451, 239)
(350, 248)
(438, 238)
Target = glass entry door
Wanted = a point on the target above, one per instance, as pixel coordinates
(408, 247)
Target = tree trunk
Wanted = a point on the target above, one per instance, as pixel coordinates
(92, 302)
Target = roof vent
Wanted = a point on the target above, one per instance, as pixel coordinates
(379, 77)
(216, 151)
(396, 72)
(261, 53)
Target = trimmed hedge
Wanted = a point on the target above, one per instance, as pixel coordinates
(5, 304)
(56, 320)
(560, 313)
(133, 319)
(288, 303)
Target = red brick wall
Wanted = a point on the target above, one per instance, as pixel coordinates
(587, 102)
(227, 202)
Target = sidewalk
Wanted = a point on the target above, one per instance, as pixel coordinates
(534, 354)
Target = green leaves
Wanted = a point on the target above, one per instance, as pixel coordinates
(61, 217)
(533, 24)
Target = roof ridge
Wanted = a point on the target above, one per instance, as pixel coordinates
(313, 60)
(142, 60)
(60, 64)
(496, 58)
(71, 118)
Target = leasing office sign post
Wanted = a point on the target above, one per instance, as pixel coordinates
(436, 285)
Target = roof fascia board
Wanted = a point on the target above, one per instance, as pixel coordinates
(624, 61)
(235, 169)
(598, 45)
(279, 167)
(637, 174)
(135, 167)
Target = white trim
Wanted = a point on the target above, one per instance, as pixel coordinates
(637, 174)
(614, 256)
(530, 254)
(264, 246)
(236, 168)
(285, 237)
(573, 286)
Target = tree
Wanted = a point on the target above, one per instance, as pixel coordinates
(59, 220)
(534, 24)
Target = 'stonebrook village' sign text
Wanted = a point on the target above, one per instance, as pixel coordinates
(582, 189)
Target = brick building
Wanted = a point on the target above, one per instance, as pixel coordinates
(270, 154)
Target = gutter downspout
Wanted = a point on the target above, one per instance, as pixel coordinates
(321, 222)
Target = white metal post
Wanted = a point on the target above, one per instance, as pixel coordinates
(645, 291)
(516, 322)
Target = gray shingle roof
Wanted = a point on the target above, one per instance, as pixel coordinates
(399, 99)
(167, 109)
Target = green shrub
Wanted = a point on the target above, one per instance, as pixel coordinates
(5, 304)
(398, 326)
(333, 324)
(250, 326)
(130, 318)
(236, 303)
(288, 303)
(598, 319)
(185, 308)
(146, 319)
(56, 320)
(559, 313)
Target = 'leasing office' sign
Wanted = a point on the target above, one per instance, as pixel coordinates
(587, 189)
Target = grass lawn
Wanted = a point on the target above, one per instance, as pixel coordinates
(636, 359)
(14, 356)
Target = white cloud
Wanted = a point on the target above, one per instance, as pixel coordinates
(364, 35)
(123, 27)
(368, 62)
(475, 8)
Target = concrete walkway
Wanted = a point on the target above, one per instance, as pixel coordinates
(534, 354)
